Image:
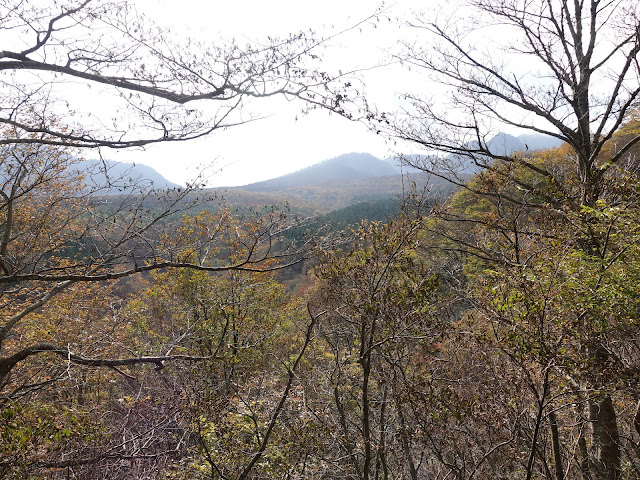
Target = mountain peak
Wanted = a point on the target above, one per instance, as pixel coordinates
(505, 144)
(347, 167)
(113, 177)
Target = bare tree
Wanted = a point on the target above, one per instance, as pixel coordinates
(582, 77)
(382, 320)
(151, 86)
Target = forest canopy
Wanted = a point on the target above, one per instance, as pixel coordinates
(490, 333)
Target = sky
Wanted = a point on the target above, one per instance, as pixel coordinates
(284, 140)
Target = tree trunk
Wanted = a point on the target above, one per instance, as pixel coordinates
(555, 445)
(404, 438)
(606, 462)
(366, 419)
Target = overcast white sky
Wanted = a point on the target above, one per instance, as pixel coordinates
(284, 141)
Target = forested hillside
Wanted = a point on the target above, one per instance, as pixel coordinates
(478, 320)
(324, 195)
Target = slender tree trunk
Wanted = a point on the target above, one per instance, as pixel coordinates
(382, 442)
(366, 418)
(345, 431)
(404, 438)
(536, 431)
(367, 336)
(555, 445)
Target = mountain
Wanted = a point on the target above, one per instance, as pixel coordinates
(505, 144)
(500, 144)
(357, 166)
(320, 198)
(361, 177)
(116, 177)
(351, 166)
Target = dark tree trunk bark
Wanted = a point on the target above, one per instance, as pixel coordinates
(555, 444)
(404, 438)
(604, 425)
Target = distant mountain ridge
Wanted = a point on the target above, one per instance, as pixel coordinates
(500, 144)
(330, 195)
(351, 166)
(358, 166)
(111, 177)
(505, 144)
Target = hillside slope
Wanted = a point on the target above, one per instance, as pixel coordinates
(329, 195)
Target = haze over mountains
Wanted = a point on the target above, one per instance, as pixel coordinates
(359, 166)
(345, 168)
(117, 177)
(325, 186)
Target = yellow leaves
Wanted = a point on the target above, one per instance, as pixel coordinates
(79, 316)
(632, 125)
(213, 238)
(42, 203)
